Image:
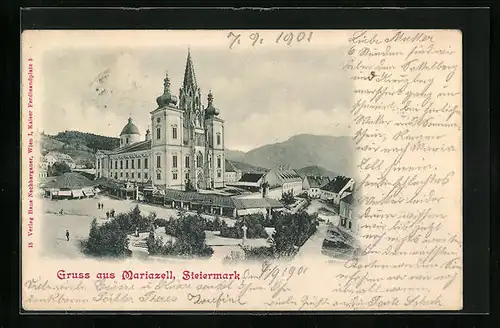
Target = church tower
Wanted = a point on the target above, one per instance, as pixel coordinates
(166, 143)
(215, 144)
(193, 125)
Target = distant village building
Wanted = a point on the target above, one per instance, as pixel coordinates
(285, 179)
(186, 143)
(42, 172)
(53, 157)
(336, 189)
(231, 174)
(43, 167)
(314, 184)
(346, 213)
(271, 184)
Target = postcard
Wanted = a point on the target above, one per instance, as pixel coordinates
(241, 170)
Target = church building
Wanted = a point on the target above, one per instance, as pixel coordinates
(185, 146)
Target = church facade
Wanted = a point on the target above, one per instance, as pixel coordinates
(184, 149)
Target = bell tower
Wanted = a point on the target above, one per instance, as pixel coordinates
(193, 125)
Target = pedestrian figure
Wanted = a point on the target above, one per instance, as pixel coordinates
(61, 212)
(113, 213)
(107, 215)
(67, 235)
(136, 232)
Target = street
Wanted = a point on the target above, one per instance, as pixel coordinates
(312, 247)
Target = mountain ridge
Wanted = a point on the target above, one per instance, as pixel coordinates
(335, 154)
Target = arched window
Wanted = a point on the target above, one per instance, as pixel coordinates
(199, 160)
(218, 139)
(219, 162)
(158, 133)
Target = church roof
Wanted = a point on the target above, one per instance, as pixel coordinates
(130, 128)
(138, 146)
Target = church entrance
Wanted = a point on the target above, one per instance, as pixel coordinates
(200, 180)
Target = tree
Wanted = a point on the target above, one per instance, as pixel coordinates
(189, 231)
(106, 240)
(292, 231)
(154, 244)
(58, 168)
(287, 198)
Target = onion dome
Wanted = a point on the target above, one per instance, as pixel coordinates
(166, 99)
(211, 110)
(130, 128)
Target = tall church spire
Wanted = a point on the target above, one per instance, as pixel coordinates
(190, 95)
(189, 76)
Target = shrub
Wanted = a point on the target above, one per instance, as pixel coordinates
(128, 222)
(234, 257)
(189, 231)
(254, 224)
(159, 222)
(154, 244)
(214, 225)
(106, 240)
(259, 253)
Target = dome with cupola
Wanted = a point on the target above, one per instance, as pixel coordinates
(130, 128)
(130, 134)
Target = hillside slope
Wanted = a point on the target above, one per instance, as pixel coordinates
(315, 170)
(79, 145)
(333, 153)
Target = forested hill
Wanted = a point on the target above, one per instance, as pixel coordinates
(92, 141)
(79, 145)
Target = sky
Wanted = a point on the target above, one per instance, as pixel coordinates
(264, 96)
